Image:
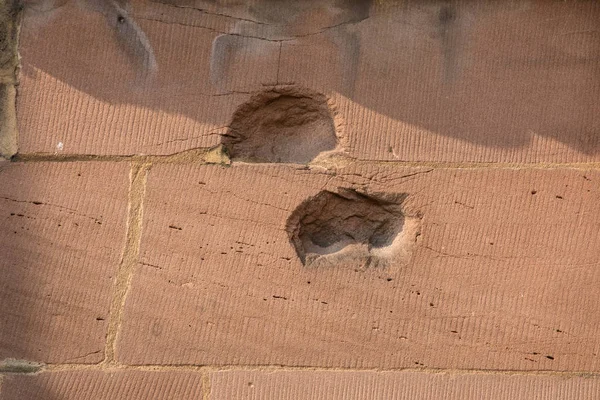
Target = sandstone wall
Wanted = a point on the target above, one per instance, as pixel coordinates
(300, 200)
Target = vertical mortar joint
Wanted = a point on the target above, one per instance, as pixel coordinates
(137, 189)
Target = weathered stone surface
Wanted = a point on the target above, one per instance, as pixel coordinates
(502, 274)
(485, 82)
(459, 231)
(63, 229)
(317, 385)
(103, 385)
(114, 110)
(10, 13)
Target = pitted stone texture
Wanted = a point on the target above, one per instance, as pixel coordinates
(63, 231)
(499, 278)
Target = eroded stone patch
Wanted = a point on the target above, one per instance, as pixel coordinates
(350, 228)
(283, 125)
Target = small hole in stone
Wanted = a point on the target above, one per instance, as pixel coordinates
(287, 125)
(446, 15)
(120, 19)
(351, 228)
(533, 191)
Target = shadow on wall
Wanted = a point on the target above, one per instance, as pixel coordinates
(491, 73)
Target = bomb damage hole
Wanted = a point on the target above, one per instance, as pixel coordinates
(349, 227)
(288, 125)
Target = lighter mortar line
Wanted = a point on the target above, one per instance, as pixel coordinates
(202, 155)
(206, 385)
(207, 369)
(138, 178)
(198, 156)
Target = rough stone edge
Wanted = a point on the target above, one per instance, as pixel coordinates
(8, 121)
(10, 18)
